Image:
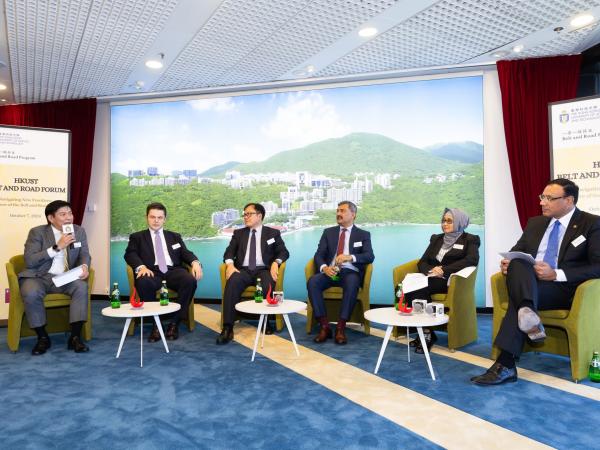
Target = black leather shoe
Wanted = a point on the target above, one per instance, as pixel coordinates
(172, 332)
(269, 329)
(497, 374)
(430, 339)
(76, 345)
(324, 334)
(41, 346)
(225, 336)
(154, 335)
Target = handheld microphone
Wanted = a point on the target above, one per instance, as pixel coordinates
(69, 228)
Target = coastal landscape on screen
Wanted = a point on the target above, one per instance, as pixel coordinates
(402, 152)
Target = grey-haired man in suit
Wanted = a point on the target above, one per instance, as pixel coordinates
(50, 251)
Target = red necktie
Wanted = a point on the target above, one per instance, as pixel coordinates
(341, 242)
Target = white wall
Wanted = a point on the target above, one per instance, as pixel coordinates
(502, 227)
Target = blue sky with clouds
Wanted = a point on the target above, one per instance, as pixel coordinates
(199, 134)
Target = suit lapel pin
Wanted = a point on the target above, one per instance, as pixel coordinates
(575, 226)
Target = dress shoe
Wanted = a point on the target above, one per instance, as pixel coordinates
(76, 345)
(40, 347)
(340, 336)
(497, 374)
(225, 336)
(154, 335)
(324, 334)
(172, 332)
(430, 339)
(531, 324)
(269, 329)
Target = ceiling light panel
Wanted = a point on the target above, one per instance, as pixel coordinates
(454, 31)
(78, 48)
(275, 37)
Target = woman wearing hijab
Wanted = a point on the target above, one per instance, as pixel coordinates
(447, 253)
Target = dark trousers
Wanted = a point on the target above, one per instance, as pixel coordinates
(349, 281)
(435, 286)
(524, 289)
(235, 285)
(178, 279)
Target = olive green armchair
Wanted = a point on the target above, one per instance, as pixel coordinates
(333, 299)
(57, 308)
(574, 333)
(189, 320)
(459, 300)
(248, 293)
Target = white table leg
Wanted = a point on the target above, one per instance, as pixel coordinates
(425, 351)
(125, 328)
(407, 344)
(388, 332)
(264, 330)
(142, 341)
(160, 330)
(289, 327)
(258, 329)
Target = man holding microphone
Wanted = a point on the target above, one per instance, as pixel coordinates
(51, 250)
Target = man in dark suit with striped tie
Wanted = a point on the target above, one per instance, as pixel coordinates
(565, 242)
(347, 249)
(255, 251)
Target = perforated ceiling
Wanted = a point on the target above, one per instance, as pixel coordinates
(64, 49)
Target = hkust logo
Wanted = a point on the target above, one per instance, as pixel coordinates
(564, 117)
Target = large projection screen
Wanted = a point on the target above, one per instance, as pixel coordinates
(575, 147)
(34, 170)
(403, 151)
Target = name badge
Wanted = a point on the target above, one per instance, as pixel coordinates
(458, 246)
(271, 241)
(76, 244)
(578, 240)
(357, 244)
(176, 246)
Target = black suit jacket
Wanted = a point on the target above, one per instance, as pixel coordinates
(272, 246)
(140, 250)
(464, 253)
(579, 262)
(360, 247)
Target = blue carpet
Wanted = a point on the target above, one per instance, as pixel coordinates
(198, 396)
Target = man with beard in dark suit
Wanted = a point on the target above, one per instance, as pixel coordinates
(255, 251)
(565, 242)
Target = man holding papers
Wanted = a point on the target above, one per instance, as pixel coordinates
(51, 250)
(565, 243)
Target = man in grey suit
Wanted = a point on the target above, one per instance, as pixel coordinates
(50, 251)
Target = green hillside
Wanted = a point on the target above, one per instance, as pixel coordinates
(356, 152)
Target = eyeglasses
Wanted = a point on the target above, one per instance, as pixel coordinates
(549, 198)
(448, 221)
(248, 214)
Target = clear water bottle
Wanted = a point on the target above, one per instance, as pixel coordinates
(258, 295)
(164, 294)
(115, 297)
(595, 368)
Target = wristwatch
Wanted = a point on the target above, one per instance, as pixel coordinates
(55, 248)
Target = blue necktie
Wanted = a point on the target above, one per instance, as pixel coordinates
(551, 254)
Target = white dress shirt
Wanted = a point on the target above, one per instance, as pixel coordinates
(168, 259)
(58, 257)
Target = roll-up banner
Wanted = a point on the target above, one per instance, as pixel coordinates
(34, 170)
(575, 147)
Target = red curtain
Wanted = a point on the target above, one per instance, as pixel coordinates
(527, 86)
(78, 116)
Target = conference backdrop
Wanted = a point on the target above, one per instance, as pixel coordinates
(401, 151)
(34, 170)
(575, 147)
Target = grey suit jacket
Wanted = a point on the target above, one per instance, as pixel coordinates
(39, 240)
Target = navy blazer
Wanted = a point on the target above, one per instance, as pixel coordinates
(272, 246)
(464, 253)
(579, 259)
(360, 247)
(140, 250)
